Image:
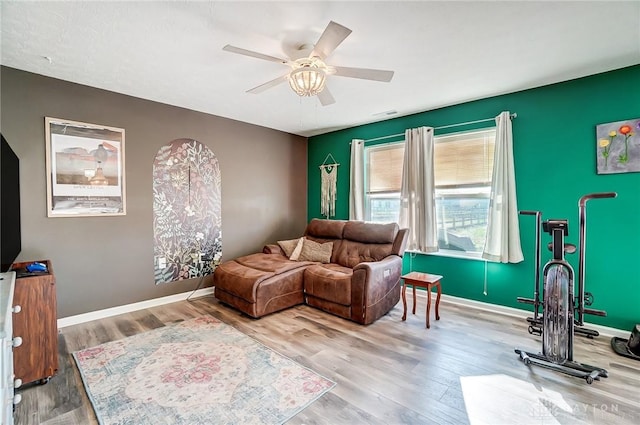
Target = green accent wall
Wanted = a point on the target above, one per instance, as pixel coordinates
(555, 160)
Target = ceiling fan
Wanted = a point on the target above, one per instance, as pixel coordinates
(308, 73)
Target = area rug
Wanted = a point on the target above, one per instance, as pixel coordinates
(200, 371)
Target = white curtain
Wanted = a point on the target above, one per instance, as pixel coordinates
(503, 234)
(417, 199)
(356, 181)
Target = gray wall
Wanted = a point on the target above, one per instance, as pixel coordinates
(102, 262)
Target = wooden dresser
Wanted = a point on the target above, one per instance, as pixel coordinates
(37, 358)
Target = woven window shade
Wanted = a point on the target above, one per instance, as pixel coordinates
(384, 168)
(461, 160)
(464, 160)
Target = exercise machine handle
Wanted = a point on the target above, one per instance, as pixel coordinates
(585, 198)
(536, 283)
(582, 216)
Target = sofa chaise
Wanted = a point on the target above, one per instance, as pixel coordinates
(348, 268)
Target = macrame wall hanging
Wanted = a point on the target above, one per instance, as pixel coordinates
(329, 186)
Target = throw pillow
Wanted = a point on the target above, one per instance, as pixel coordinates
(289, 246)
(314, 251)
(296, 252)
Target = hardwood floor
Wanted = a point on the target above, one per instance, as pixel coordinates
(462, 370)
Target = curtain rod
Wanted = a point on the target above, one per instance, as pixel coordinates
(514, 115)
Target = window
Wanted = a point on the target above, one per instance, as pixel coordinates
(463, 166)
(383, 178)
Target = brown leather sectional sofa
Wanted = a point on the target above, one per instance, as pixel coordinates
(361, 281)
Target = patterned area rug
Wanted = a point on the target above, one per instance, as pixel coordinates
(200, 371)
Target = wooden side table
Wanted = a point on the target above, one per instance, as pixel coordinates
(422, 280)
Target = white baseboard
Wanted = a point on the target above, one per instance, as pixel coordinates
(114, 311)
(515, 312)
(493, 308)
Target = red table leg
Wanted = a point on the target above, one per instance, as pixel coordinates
(414, 298)
(404, 300)
(439, 287)
(428, 304)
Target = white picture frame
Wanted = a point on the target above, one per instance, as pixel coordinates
(85, 168)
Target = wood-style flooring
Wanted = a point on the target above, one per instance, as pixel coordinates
(461, 371)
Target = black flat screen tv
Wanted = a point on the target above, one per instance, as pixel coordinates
(10, 238)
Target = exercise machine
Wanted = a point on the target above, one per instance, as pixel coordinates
(535, 322)
(562, 309)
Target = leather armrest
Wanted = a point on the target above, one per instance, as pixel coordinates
(372, 280)
(380, 266)
(272, 249)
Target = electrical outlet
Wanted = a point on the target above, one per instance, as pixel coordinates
(162, 263)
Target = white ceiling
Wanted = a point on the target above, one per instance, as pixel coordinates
(443, 53)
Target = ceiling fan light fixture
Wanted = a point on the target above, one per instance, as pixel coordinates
(308, 79)
(308, 69)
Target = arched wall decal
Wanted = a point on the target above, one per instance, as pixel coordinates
(187, 215)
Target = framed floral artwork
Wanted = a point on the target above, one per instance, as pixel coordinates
(618, 147)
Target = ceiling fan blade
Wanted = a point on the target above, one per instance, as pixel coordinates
(233, 49)
(331, 38)
(325, 97)
(363, 73)
(269, 84)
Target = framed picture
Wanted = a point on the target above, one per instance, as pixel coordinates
(85, 169)
(618, 147)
